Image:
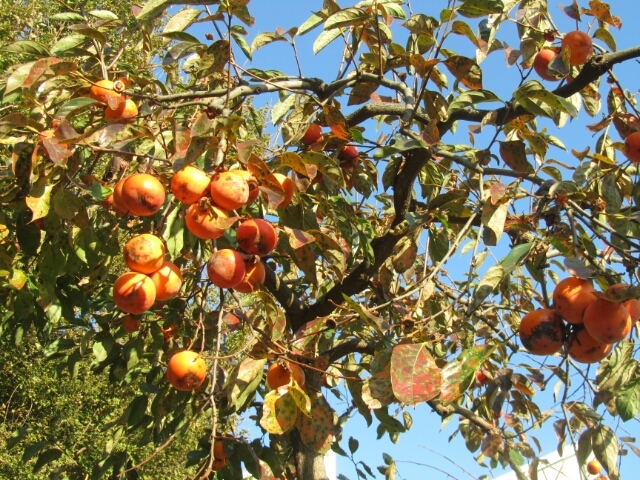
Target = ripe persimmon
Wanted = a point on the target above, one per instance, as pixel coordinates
(134, 292)
(218, 464)
(541, 63)
(103, 91)
(229, 190)
(130, 323)
(218, 450)
(205, 221)
(348, 156)
(256, 237)
(632, 147)
(571, 297)
(583, 348)
(226, 268)
(190, 184)
(109, 204)
(607, 322)
(186, 370)
(253, 277)
(542, 332)
(289, 188)
(254, 189)
(594, 467)
(142, 194)
(279, 374)
(126, 112)
(167, 280)
(312, 135)
(580, 46)
(117, 196)
(632, 305)
(144, 253)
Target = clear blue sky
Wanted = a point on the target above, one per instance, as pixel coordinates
(424, 451)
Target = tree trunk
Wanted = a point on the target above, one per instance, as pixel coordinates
(309, 464)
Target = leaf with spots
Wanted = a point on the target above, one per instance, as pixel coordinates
(377, 390)
(39, 201)
(337, 122)
(514, 155)
(422, 66)
(415, 377)
(459, 375)
(405, 253)
(362, 92)
(279, 412)
(480, 8)
(602, 12)
(301, 398)
(325, 165)
(317, 431)
(295, 162)
(465, 70)
(298, 238)
(306, 261)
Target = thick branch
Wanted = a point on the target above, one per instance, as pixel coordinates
(350, 346)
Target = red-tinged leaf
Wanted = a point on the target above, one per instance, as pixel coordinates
(497, 191)
(511, 55)
(431, 134)
(306, 261)
(330, 249)
(601, 125)
(317, 430)
(522, 384)
(602, 12)
(571, 10)
(202, 126)
(514, 155)
(57, 153)
(459, 375)
(279, 412)
(298, 238)
(422, 65)
(37, 70)
(626, 124)
(415, 377)
(362, 92)
(181, 138)
(337, 122)
(382, 98)
(466, 71)
(16, 120)
(306, 336)
(295, 162)
(39, 201)
(377, 391)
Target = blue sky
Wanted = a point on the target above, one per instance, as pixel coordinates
(424, 451)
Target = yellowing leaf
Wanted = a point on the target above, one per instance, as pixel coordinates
(602, 12)
(279, 412)
(466, 71)
(337, 122)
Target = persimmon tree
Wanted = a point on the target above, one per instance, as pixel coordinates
(149, 205)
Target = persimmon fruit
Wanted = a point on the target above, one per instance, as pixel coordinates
(312, 135)
(167, 280)
(131, 323)
(607, 322)
(186, 370)
(542, 332)
(571, 297)
(218, 464)
(580, 46)
(541, 63)
(204, 221)
(279, 374)
(348, 156)
(142, 194)
(226, 268)
(254, 189)
(117, 196)
(126, 112)
(594, 467)
(134, 292)
(190, 184)
(583, 348)
(256, 237)
(229, 190)
(632, 305)
(632, 147)
(144, 253)
(103, 91)
(253, 278)
(218, 450)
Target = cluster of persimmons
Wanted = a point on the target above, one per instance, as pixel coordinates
(586, 322)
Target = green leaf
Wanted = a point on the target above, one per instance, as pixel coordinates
(415, 377)
(182, 20)
(68, 17)
(26, 46)
(353, 445)
(182, 36)
(312, 22)
(153, 9)
(462, 28)
(17, 436)
(605, 35)
(605, 448)
(243, 381)
(472, 97)
(459, 375)
(480, 8)
(74, 106)
(628, 400)
(68, 44)
(346, 18)
(324, 39)
(103, 14)
(32, 450)
(263, 39)
(47, 457)
(534, 90)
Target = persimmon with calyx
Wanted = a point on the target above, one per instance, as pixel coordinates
(190, 184)
(206, 221)
(256, 237)
(632, 147)
(348, 156)
(254, 188)
(253, 278)
(186, 370)
(580, 45)
(104, 91)
(571, 297)
(594, 467)
(144, 253)
(167, 280)
(226, 268)
(229, 190)
(126, 112)
(142, 194)
(607, 322)
(131, 323)
(134, 292)
(312, 135)
(279, 374)
(541, 63)
(632, 305)
(542, 332)
(583, 348)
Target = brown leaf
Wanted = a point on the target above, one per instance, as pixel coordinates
(336, 121)
(513, 154)
(466, 71)
(602, 12)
